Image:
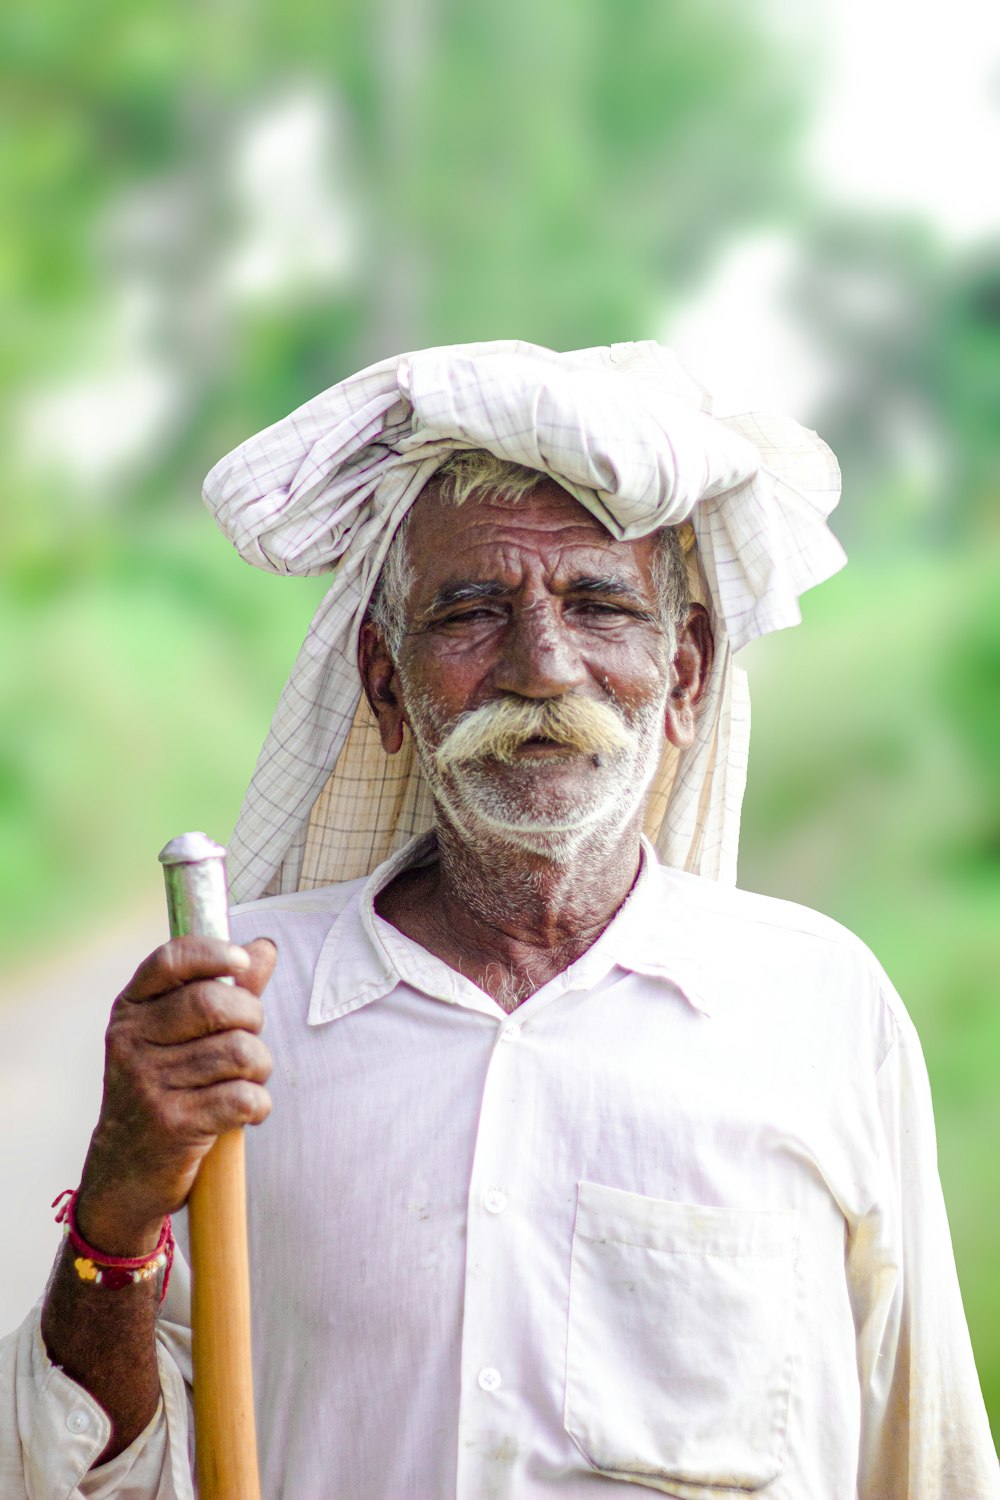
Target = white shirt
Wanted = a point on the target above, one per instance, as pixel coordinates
(673, 1224)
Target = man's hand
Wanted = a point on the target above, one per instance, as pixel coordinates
(183, 1063)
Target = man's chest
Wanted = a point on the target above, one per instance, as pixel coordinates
(499, 1210)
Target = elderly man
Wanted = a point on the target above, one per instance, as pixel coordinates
(585, 1170)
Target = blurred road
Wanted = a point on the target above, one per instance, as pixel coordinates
(52, 1020)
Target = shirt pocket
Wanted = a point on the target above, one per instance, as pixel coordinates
(681, 1343)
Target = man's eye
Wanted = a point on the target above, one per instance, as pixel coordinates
(471, 616)
(598, 607)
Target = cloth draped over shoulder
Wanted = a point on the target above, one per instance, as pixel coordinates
(631, 436)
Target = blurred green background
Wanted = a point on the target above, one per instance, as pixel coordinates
(214, 211)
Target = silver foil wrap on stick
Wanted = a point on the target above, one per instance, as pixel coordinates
(194, 872)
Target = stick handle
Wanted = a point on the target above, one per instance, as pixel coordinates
(225, 1437)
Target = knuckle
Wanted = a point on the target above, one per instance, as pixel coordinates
(257, 1060)
(123, 1066)
(244, 1100)
(162, 1113)
(151, 1099)
(117, 1044)
(244, 1096)
(265, 1064)
(203, 1009)
(249, 1057)
(121, 1023)
(210, 1005)
(172, 1119)
(168, 962)
(117, 1015)
(251, 1010)
(240, 1049)
(235, 1103)
(261, 1105)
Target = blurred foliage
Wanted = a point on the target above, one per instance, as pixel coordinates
(215, 211)
(913, 336)
(873, 796)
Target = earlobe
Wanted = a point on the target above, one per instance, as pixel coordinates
(679, 720)
(691, 666)
(381, 687)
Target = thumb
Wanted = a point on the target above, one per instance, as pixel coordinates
(263, 954)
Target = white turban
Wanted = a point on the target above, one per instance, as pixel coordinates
(628, 433)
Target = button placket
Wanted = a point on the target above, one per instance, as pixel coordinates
(486, 1369)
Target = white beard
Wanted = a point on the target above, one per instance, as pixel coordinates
(516, 806)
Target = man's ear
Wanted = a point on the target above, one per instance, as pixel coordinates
(691, 666)
(381, 686)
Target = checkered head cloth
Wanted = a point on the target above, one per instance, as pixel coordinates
(628, 433)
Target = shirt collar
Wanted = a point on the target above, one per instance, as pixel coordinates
(354, 965)
(651, 934)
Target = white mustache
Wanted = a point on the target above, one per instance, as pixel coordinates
(497, 729)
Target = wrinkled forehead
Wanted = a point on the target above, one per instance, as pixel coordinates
(546, 524)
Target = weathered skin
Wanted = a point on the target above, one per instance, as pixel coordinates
(184, 1058)
(183, 1062)
(508, 916)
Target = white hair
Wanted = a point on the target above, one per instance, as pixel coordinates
(470, 472)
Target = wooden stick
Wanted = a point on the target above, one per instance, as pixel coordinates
(225, 1436)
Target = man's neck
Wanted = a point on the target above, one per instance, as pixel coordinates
(508, 918)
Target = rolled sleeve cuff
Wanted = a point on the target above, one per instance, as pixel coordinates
(64, 1431)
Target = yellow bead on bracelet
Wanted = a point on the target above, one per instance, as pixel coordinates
(114, 1271)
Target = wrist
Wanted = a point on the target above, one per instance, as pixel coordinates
(111, 1269)
(119, 1206)
(116, 1223)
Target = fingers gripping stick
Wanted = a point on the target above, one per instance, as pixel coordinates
(225, 1440)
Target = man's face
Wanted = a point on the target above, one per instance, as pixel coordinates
(532, 606)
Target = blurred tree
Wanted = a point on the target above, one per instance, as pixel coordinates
(963, 383)
(874, 771)
(215, 211)
(911, 334)
(555, 172)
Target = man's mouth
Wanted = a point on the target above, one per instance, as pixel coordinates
(544, 742)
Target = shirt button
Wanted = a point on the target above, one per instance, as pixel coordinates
(509, 1032)
(495, 1201)
(78, 1421)
(489, 1379)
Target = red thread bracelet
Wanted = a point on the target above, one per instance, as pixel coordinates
(114, 1271)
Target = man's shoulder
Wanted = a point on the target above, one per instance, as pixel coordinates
(780, 959)
(770, 925)
(772, 915)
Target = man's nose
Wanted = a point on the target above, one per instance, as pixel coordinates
(539, 658)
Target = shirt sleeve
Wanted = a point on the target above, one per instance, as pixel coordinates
(52, 1430)
(925, 1432)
